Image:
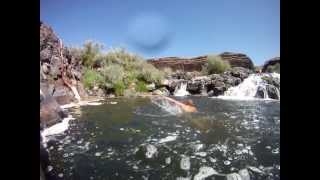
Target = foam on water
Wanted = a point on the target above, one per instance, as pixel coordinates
(168, 139)
(56, 129)
(81, 103)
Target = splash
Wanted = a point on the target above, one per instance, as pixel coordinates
(166, 105)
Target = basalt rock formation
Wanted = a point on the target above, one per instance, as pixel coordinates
(196, 63)
(211, 85)
(60, 74)
(59, 69)
(270, 62)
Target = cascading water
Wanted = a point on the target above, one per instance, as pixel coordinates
(181, 89)
(252, 87)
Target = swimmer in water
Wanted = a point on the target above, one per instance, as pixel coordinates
(186, 106)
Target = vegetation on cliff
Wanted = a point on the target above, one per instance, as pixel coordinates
(116, 70)
(215, 65)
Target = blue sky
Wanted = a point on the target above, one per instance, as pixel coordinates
(158, 28)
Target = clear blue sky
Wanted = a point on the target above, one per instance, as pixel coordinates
(157, 28)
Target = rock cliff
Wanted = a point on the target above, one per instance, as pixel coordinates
(196, 63)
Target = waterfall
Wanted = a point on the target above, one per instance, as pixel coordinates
(252, 87)
(203, 90)
(181, 89)
(75, 92)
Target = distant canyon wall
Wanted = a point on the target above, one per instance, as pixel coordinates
(196, 63)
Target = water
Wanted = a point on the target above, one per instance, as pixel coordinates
(181, 89)
(250, 86)
(137, 139)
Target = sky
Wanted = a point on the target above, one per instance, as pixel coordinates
(161, 28)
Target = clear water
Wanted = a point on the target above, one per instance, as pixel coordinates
(108, 141)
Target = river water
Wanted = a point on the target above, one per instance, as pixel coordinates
(137, 139)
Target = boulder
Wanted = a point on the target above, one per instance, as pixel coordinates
(50, 112)
(162, 91)
(272, 92)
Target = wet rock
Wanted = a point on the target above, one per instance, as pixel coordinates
(162, 91)
(260, 92)
(151, 87)
(50, 112)
(211, 93)
(272, 92)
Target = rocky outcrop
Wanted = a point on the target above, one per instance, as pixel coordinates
(211, 85)
(270, 62)
(59, 69)
(50, 112)
(196, 63)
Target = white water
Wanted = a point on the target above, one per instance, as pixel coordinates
(168, 139)
(249, 87)
(56, 129)
(181, 89)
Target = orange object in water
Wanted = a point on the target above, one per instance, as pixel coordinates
(187, 106)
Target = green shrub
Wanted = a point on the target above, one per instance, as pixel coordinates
(90, 53)
(92, 78)
(119, 88)
(120, 69)
(113, 74)
(216, 65)
(141, 87)
(150, 74)
(273, 68)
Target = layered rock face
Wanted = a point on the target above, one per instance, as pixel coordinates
(60, 74)
(270, 62)
(195, 64)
